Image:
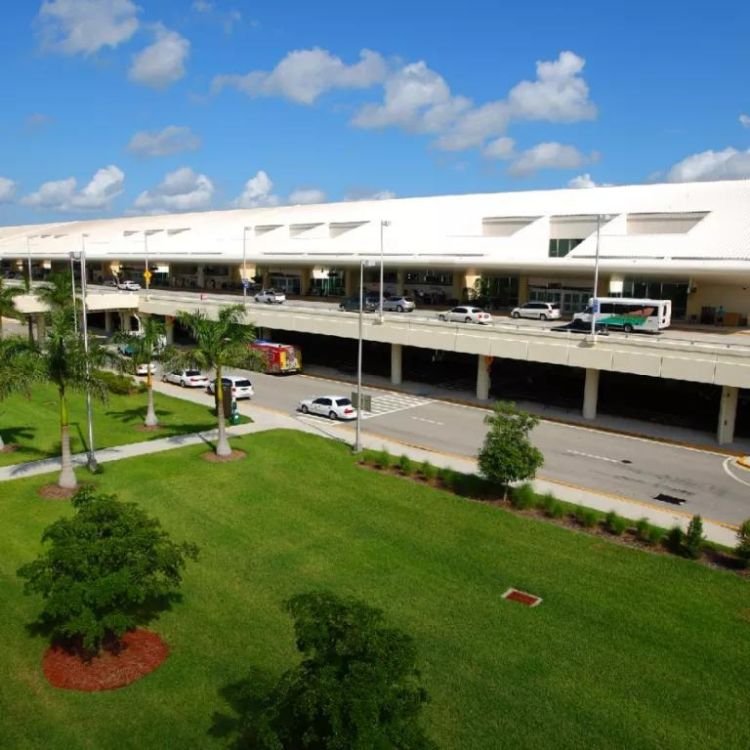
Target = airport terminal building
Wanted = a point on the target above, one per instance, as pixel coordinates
(686, 242)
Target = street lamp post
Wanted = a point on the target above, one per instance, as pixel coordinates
(244, 265)
(91, 461)
(73, 288)
(594, 299)
(383, 224)
(358, 434)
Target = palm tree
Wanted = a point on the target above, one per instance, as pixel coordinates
(64, 360)
(6, 301)
(143, 349)
(56, 291)
(20, 366)
(220, 343)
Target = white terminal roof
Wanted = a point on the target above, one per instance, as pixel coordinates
(662, 229)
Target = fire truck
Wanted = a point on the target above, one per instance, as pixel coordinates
(279, 358)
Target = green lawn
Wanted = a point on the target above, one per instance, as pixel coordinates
(33, 423)
(628, 650)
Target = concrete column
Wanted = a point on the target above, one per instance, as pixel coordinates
(124, 320)
(41, 327)
(305, 275)
(169, 329)
(590, 394)
(400, 281)
(727, 414)
(523, 289)
(483, 376)
(108, 322)
(266, 279)
(351, 281)
(396, 361)
(201, 278)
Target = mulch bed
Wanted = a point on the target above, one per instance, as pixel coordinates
(146, 428)
(139, 653)
(9, 448)
(53, 492)
(211, 457)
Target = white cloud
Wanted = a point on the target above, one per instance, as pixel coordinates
(745, 121)
(181, 190)
(85, 26)
(202, 6)
(558, 94)
(582, 181)
(258, 191)
(729, 164)
(7, 190)
(500, 148)
(303, 75)
(307, 195)
(61, 195)
(366, 194)
(173, 139)
(549, 155)
(416, 99)
(162, 63)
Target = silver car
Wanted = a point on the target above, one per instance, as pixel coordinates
(537, 310)
(270, 297)
(399, 304)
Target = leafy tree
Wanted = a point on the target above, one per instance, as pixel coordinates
(145, 348)
(7, 293)
(356, 688)
(20, 367)
(507, 454)
(107, 569)
(220, 343)
(693, 539)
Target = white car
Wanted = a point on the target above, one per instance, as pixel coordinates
(333, 407)
(186, 378)
(129, 286)
(466, 314)
(144, 369)
(271, 297)
(241, 386)
(537, 310)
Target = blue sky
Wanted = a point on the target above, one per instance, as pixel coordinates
(116, 107)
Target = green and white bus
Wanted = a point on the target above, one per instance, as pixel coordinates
(627, 314)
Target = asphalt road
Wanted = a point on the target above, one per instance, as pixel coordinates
(635, 468)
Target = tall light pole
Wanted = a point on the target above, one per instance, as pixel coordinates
(383, 224)
(358, 434)
(146, 233)
(245, 281)
(92, 463)
(73, 288)
(594, 300)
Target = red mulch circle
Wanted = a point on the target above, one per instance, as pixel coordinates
(146, 428)
(53, 492)
(211, 457)
(140, 653)
(9, 448)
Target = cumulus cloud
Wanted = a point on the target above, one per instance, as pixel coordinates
(304, 75)
(85, 26)
(307, 195)
(7, 190)
(500, 148)
(581, 181)
(181, 190)
(173, 139)
(202, 6)
(62, 195)
(745, 121)
(729, 164)
(258, 191)
(549, 155)
(366, 194)
(162, 63)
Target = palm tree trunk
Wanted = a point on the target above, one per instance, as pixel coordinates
(151, 420)
(30, 323)
(222, 446)
(67, 479)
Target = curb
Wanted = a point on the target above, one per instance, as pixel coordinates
(743, 462)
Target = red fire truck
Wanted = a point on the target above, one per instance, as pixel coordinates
(279, 358)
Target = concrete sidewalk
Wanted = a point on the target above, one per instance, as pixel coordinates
(266, 419)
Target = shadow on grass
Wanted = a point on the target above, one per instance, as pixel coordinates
(18, 436)
(247, 699)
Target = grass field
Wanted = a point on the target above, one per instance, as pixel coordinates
(628, 650)
(33, 423)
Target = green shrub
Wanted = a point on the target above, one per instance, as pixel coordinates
(405, 464)
(523, 497)
(447, 477)
(642, 529)
(743, 540)
(585, 516)
(382, 459)
(551, 506)
(427, 470)
(674, 540)
(615, 524)
(655, 535)
(692, 544)
(122, 385)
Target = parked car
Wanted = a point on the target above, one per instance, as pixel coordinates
(144, 368)
(537, 310)
(241, 386)
(270, 297)
(333, 407)
(186, 378)
(351, 304)
(466, 314)
(399, 304)
(129, 286)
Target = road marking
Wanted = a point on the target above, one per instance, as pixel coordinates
(429, 421)
(389, 403)
(725, 464)
(593, 455)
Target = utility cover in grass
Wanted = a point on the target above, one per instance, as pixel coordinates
(522, 597)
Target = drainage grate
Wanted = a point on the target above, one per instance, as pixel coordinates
(625, 461)
(514, 595)
(670, 499)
